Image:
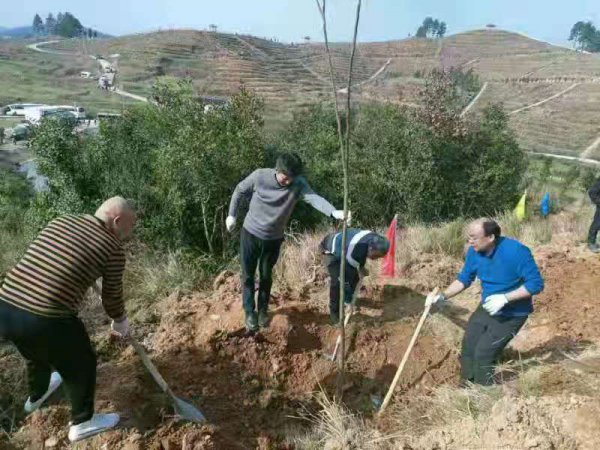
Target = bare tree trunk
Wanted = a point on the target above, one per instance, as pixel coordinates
(344, 150)
(206, 232)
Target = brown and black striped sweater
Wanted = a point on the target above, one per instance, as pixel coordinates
(62, 263)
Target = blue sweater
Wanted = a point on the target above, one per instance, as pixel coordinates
(508, 267)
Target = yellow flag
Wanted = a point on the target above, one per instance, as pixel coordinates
(520, 209)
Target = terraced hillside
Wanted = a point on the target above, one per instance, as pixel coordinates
(26, 76)
(551, 92)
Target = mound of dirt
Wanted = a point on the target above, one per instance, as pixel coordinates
(566, 312)
(546, 423)
(252, 389)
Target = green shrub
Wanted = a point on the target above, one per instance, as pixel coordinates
(178, 162)
(427, 166)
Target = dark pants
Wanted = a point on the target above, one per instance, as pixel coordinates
(264, 254)
(351, 280)
(594, 227)
(60, 344)
(485, 338)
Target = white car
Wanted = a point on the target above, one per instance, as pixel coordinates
(19, 109)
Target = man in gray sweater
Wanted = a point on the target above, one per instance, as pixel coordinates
(273, 194)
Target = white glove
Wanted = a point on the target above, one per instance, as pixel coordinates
(433, 299)
(338, 214)
(230, 223)
(494, 303)
(120, 328)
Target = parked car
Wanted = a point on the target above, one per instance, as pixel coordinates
(19, 109)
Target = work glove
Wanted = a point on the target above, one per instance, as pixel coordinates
(230, 223)
(120, 328)
(338, 214)
(494, 303)
(433, 299)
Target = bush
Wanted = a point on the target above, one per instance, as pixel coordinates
(427, 166)
(176, 161)
(15, 195)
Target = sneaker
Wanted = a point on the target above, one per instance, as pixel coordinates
(263, 319)
(594, 248)
(251, 322)
(96, 425)
(55, 382)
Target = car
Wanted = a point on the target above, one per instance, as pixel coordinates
(19, 109)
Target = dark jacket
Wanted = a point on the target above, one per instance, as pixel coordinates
(594, 192)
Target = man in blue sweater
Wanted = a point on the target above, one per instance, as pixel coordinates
(360, 245)
(509, 278)
(273, 194)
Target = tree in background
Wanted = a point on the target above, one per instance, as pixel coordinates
(176, 161)
(585, 36)
(427, 165)
(67, 25)
(432, 28)
(38, 24)
(50, 24)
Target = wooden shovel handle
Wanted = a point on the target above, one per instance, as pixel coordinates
(390, 391)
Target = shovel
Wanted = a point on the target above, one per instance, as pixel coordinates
(411, 344)
(183, 409)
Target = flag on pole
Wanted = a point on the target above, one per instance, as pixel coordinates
(545, 205)
(388, 267)
(520, 209)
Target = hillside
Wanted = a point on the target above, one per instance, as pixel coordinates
(519, 71)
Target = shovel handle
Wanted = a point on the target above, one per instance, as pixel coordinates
(390, 391)
(151, 368)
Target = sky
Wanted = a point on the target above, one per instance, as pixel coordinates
(291, 20)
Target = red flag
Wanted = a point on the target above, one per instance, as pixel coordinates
(388, 267)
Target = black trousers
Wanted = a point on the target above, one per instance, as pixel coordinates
(594, 227)
(60, 344)
(351, 280)
(264, 254)
(485, 338)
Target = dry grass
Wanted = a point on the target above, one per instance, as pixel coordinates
(300, 264)
(334, 427)
(13, 389)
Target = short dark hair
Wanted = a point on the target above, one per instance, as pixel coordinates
(491, 227)
(290, 164)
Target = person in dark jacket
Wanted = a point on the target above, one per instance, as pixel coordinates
(509, 279)
(360, 245)
(594, 194)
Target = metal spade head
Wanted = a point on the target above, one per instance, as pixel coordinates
(187, 411)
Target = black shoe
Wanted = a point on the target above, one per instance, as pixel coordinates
(263, 319)
(594, 248)
(334, 319)
(252, 323)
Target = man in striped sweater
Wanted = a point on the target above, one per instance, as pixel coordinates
(41, 295)
(360, 245)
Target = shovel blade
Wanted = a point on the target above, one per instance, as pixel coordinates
(188, 412)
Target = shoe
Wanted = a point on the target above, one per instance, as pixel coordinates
(55, 382)
(594, 248)
(96, 425)
(263, 319)
(252, 322)
(334, 319)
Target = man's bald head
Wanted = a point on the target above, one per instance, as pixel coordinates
(118, 215)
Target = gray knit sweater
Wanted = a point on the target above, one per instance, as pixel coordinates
(271, 204)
